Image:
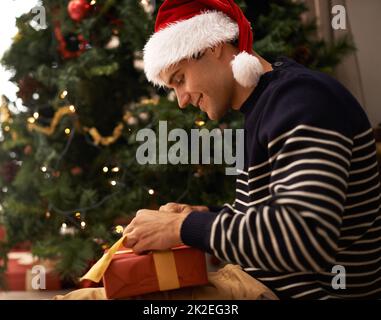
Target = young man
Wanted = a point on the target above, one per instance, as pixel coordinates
(306, 219)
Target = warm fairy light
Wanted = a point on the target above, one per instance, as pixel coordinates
(72, 108)
(119, 229)
(47, 214)
(36, 115)
(64, 226)
(31, 120)
(113, 183)
(77, 215)
(7, 128)
(83, 224)
(200, 123)
(115, 169)
(151, 191)
(67, 131)
(105, 169)
(44, 169)
(63, 94)
(93, 2)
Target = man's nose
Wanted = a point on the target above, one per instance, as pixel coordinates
(183, 98)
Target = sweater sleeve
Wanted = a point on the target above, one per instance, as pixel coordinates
(309, 145)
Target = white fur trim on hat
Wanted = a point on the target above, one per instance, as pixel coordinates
(247, 69)
(185, 38)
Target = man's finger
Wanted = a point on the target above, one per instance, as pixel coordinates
(128, 229)
(171, 207)
(140, 247)
(130, 241)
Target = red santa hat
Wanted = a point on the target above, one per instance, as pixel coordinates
(186, 27)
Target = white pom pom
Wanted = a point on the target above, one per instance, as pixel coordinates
(247, 69)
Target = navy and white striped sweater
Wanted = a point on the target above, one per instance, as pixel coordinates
(309, 195)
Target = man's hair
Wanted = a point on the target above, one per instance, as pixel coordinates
(199, 54)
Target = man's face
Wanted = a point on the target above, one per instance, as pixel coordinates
(205, 82)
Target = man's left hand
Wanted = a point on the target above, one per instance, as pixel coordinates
(154, 230)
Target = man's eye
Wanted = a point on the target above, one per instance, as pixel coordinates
(180, 80)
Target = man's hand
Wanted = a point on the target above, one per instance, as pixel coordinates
(181, 208)
(153, 230)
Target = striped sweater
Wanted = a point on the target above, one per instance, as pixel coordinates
(308, 199)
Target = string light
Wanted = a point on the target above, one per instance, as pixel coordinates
(105, 169)
(72, 108)
(93, 2)
(7, 128)
(115, 169)
(151, 191)
(119, 229)
(31, 120)
(78, 215)
(36, 115)
(44, 169)
(64, 225)
(113, 182)
(35, 96)
(63, 94)
(47, 214)
(83, 224)
(67, 131)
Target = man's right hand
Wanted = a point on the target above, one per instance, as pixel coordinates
(181, 208)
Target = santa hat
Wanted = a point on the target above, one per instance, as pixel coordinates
(185, 27)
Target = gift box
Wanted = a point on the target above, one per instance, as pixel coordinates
(130, 274)
(19, 274)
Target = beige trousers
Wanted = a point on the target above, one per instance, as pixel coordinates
(228, 283)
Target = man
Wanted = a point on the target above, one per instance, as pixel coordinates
(306, 219)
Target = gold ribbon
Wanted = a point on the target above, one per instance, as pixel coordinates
(166, 270)
(164, 264)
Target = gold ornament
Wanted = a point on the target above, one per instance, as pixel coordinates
(5, 115)
(199, 123)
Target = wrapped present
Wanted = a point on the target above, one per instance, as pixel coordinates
(126, 274)
(20, 273)
(130, 274)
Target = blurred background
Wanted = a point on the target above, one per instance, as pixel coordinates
(73, 96)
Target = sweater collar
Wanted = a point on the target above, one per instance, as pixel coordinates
(280, 63)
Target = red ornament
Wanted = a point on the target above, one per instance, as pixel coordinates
(78, 9)
(28, 150)
(76, 171)
(9, 170)
(27, 86)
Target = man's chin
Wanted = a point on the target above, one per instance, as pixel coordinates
(214, 116)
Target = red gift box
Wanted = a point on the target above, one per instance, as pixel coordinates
(18, 275)
(130, 274)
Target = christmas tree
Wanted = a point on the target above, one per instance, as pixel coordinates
(69, 178)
